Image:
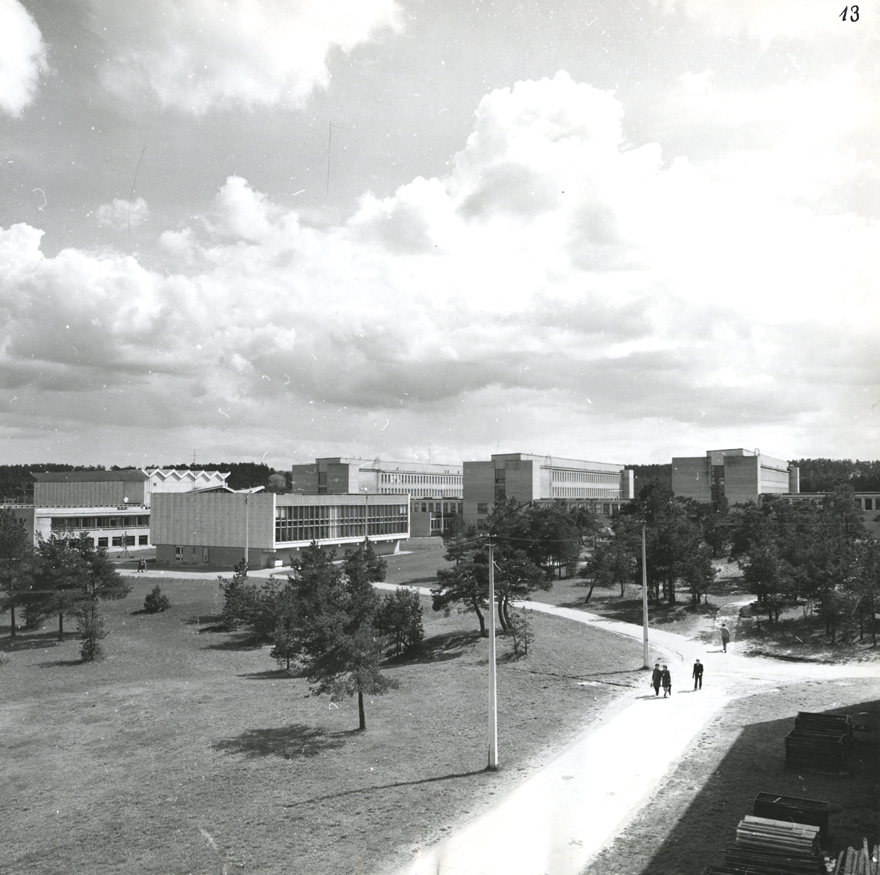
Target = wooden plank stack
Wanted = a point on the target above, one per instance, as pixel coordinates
(793, 809)
(772, 847)
(859, 861)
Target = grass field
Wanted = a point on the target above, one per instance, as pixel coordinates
(187, 751)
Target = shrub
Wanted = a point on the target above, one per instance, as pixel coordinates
(521, 632)
(155, 602)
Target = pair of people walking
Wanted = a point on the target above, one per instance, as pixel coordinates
(661, 677)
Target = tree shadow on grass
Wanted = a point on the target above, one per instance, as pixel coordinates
(235, 641)
(437, 648)
(273, 674)
(34, 641)
(60, 663)
(293, 742)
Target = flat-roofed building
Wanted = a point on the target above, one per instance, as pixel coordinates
(219, 528)
(737, 475)
(434, 488)
(523, 477)
(347, 476)
(111, 507)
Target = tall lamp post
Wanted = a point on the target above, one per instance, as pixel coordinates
(645, 662)
(493, 692)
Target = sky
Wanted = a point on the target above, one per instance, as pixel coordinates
(433, 230)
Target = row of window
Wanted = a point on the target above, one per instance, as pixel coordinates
(432, 491)
(323, 523)
(83, 523)
(558, 475)
(429, 479)
(582, 492)
(438, 506)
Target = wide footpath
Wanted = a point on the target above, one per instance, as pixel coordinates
(557, 821)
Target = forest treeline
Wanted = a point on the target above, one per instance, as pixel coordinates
(16, 483)
(817, 475)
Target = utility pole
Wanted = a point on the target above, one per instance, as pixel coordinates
(493, 697)
(645, 663)
(246, 533)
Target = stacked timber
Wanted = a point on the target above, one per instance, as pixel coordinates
(764, 834)
(772, 847)
(793, 809)
(859, 861)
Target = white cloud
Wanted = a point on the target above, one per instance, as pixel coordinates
(197, 54)
(557, 284)
(121, 214)
(22, 57)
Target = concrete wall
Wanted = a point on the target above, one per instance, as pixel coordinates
(691, 477)
(88, 493)
(213, 519)
(741, 479)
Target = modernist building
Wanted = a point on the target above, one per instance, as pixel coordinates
(219, 528)
(738, 475)
(111, 507)
(435, 489)
(526, 478)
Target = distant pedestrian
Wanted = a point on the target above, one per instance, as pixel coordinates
(666, 680)
(142, 565)
(725, 636)
(655, 678)
(698, 675)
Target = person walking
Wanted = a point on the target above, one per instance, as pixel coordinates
(698, 675)
(655, 678)
(666, 680)
(725, 636)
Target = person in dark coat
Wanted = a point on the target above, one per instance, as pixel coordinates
(725, 636)
(666, 680)
(655, 678)
(698, 675)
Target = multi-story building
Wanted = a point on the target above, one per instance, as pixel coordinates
(112, 507)
(524, 478)
(219, 528)
(737, 475)
(435, 489)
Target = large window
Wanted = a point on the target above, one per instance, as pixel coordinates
(336, 522)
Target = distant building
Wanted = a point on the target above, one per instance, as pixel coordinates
(434, 488)
(111, 507)
(738, 475)
(219, 528)
(524, 478)
(866, 502)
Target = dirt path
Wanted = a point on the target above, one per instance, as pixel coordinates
(557, 821)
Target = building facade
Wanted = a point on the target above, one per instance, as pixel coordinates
(219, 528)
(344, 476)
(434, 488)
(524, 478)
(112, 508)
(737, 475)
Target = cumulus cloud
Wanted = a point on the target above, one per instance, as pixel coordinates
(120, 214)
(557, 284)
(196, 54)
(22, 57)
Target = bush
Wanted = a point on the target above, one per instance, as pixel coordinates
(155, 602)
(521, 632)
(90, 626)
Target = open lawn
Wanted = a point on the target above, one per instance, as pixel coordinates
(187, 751)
